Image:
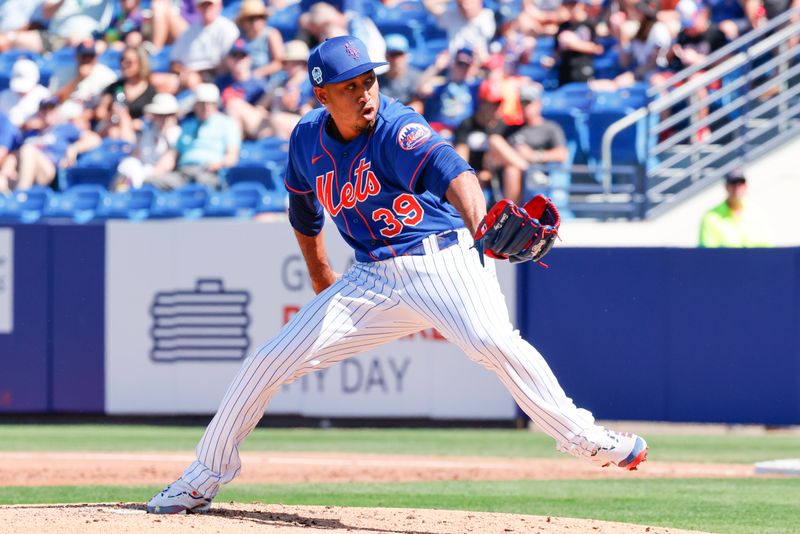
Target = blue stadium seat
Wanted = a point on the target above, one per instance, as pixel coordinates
(134, 204)
(111, 58)
(81, 203)
(159, 62)
(573, 124)
(98, 166)
(59, 59)
(402, 11)
(27, 206)
(576, 95)
(629, 146)
(189, 202)
(411, 29)
(253, 198)
(286, 21)
(629, 97)
(231, 9)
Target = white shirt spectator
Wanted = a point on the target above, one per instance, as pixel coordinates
(90, 88)
(21, 100)
(462, 33)
(21, 107)
(80, 18)
(204, 47)
(658, 42)
(16, 14)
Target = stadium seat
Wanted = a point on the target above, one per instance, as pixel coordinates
(80, 203)
(546, 76)
(189, 202)
(572, 122)
(286, 21)
(134, 204)
(111, 58)
(231, 9)
(253, 198)
(159, 62)
(576, 95)
(98, 166)
(27, 206)
(628, 146)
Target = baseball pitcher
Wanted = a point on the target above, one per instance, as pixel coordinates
(415, 215)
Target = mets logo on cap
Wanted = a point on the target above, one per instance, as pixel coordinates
(413, 135)
(351, 50)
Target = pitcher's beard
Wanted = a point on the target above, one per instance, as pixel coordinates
(367, 127)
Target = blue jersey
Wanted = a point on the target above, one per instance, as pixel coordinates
(384, 189)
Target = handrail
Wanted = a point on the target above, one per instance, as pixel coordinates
(769, 54)
(726, 50)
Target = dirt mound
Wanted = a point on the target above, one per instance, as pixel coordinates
(131, 518)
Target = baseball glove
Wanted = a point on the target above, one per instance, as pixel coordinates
(519, 234)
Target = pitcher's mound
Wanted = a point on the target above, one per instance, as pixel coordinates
(225, 517)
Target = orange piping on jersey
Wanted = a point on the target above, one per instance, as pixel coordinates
(335, 170)
(295, 190)
(414, 176)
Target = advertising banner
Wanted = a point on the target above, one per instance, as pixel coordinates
(6, 280)
(187, 301)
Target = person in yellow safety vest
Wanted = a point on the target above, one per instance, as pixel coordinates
(734, 223)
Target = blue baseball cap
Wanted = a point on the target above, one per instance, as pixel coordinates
(338, 59)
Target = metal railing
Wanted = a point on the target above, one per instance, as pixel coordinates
(739, 103)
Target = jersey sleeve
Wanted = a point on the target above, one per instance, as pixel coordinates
(421, 158)
(305, 212)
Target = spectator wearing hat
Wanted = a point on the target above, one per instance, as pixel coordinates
(473, 134)
(289, 94)
(21, 100)
(68, 22)
(401, 80)
(324, 21)
(241, 92)
(151, 157)
(537, 143)
(119, 113)
(735, 223)
(468, 23)
(263, 43)
(85, 81)
(197, 55)
(65, 135)
(209, 141)
(454, 99)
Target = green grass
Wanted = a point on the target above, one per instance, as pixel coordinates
(769, 506)
(730, 505)
(505, 443)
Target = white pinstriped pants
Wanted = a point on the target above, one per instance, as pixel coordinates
(372, 304)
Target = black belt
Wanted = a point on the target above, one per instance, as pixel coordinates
(443, 240)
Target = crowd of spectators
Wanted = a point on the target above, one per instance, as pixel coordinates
(234, 77)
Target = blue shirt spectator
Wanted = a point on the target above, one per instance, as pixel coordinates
(207, 141)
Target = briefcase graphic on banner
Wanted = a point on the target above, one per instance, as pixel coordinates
(207, 323)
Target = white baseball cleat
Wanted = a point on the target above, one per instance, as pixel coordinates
(622, 449)
(178, 498)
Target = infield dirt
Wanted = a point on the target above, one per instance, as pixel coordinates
(157, 468)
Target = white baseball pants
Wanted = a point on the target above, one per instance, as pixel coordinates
(372, 304)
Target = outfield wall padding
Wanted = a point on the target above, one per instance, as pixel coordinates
(670, 334)
(641, 334)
